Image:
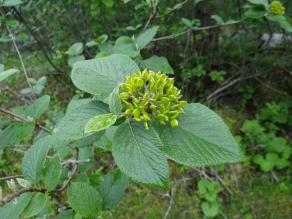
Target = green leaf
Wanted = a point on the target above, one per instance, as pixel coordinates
(255, 13)
(156, 63)
(5, 74)
(146, 37)
(36, 109)
(126, 46)
(13, 210)
(210, 209)
(84, 199)
(218, 19)
(137, 153)
(9, 3)
(101, 75)
(99, 123)
(201, 139)
(15, 133)
(36, 205)
(112, 188)
(1, 68)
(71, 126)
(75, 50)
(115, 103)
(34, 158)
(53, 173)
(74, 59)
(264, 3)
(282, 21)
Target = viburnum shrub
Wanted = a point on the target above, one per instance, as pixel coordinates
(137, 115)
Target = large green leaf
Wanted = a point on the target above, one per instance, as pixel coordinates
(101, 75)
(13, 210)
(126, 45)
(201, 139)
(34, 158)
(53, 173)
(112, 188)
(145, 38)
(15, 133)
(36, 109)
(137, 153)
(71, 127)
(36, 205)
(84, 199)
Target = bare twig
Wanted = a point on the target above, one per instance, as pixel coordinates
(15, 195)
(170, 195)
(67, 162)
(17, 50)
(9, 177)
(23, 119)
(193, 29)
(152, 15)
(72, 173)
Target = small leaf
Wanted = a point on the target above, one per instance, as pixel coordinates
(115, 103)
(33, 160)
(53, 173)
(112, 188)
(74, 59)
(75, 50)
(84, 199)
(146, 37)
(210, 209)
(158, 63)
(100, 122)
(23, 183)
(36, 205)
(5, 74)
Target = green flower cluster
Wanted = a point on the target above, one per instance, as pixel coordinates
(277, 8)
(146, 95)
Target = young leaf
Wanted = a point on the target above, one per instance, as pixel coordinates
(145, 38)
(7, 73)
(14, 210)
(53, 173)
(115, 103)
(201, 139)
(101, 75)
(100, 122)
(84, 199)
(158, 63)
(112, 188)
(75, 50)
(34, 158)
(210, 209)
(36, 205)
(137, 153)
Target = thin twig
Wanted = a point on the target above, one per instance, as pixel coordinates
(17, 50)
(24, 119)
(15, 195)
(66, 162)
(170, 194)
(72, 173)
(9, 177)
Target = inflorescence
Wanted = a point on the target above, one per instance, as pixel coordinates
(148, 95)
(277, 8)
